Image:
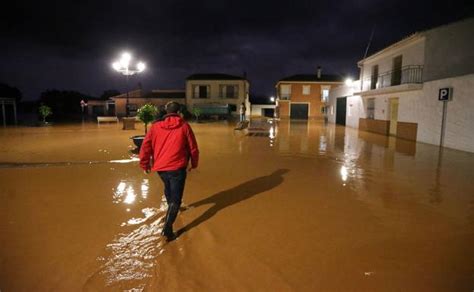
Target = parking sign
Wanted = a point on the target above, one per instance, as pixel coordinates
(445, 94)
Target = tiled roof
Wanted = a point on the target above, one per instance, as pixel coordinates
(314, 78)
(214, 76)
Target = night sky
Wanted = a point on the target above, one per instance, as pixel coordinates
(70, 45)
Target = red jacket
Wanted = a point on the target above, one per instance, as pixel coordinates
(169, 145)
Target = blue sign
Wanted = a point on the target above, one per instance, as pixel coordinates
(445, 94)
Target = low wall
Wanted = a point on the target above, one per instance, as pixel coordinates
(374, 126)
(407, 130)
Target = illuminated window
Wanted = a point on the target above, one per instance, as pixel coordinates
(306, 89)
(325, 95)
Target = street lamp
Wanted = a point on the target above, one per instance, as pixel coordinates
(272, 99)
(123, 66)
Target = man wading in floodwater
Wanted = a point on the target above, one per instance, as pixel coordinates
(169, 145)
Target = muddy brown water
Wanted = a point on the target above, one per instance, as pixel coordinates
(284, 206)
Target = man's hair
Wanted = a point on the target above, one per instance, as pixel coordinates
(172, 107)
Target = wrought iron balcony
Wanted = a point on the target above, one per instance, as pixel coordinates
(406, 75)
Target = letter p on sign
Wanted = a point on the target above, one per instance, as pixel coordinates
(445, 94)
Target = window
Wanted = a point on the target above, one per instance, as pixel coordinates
(371, 108)
(306, 89)
(285, 91)
(201, 91)
(325, 93)
(228, 91)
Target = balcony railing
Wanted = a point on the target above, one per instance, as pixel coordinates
(406, 75)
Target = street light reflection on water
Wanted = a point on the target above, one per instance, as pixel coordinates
(125, 192)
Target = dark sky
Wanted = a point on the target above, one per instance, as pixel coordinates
(70, 44)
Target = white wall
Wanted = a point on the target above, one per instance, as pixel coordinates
(460, 116)
(422, 107)
(355, 110)
(257, 109)
(449, 51)
(354, 105)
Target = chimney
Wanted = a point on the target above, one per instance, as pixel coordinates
(319, 72)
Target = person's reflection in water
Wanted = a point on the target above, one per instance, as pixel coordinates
(235, 195)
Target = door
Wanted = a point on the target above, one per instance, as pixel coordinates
(393, 116)
(341, 111)
(397, 71)
(299, 111)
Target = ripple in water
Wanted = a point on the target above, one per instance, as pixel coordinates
(131, 257)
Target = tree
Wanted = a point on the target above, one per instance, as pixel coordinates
(109, 93)
(10, 91)
(44, 111)
(147, 114)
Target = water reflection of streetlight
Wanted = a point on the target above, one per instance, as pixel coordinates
(344, 173)
(123, 66)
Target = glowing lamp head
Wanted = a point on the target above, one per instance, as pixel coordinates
(272, 99)
(141, 66)
(348, 81)
(125, 59)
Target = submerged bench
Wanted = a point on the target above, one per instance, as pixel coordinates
(107, 119)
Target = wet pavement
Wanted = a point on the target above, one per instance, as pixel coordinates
(282, 206)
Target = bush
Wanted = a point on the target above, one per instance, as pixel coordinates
(147, 114)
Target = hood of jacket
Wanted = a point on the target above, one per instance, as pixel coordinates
(171, 121)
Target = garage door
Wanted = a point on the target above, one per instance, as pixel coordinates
(299, 111)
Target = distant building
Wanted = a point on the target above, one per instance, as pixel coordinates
(217, 89)
(138, 98)
(262, 106)
(304, 96)
(399, 88)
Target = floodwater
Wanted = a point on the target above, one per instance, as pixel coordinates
(283, 206)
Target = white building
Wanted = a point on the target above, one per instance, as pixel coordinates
(217, 89)
(399, 86)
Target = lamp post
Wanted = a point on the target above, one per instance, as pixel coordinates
(123, 66)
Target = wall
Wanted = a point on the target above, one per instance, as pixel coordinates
(355, 106)
(256, 109)
(460, 117)
(283, 109)
(449, 51)
(214, 93)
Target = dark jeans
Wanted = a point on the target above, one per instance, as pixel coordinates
(174, 181)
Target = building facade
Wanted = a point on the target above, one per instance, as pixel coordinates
(400, 86)
(304, 96)
(217, 89)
